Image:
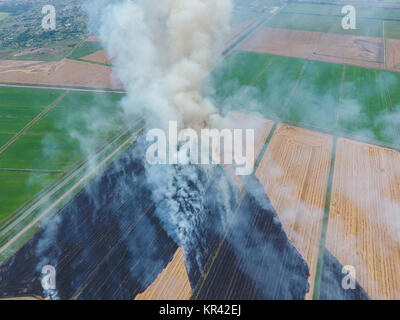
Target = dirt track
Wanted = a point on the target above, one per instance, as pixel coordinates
(295, 172)
(363, 227)
(66, 73)
(327, 47)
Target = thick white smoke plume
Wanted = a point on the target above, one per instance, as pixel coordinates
(164, 51)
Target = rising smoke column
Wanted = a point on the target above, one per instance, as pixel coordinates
(164, 52)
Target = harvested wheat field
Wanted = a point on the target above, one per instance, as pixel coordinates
(363, 226)
(326, 47)
(285, 42)
(99, 56)
(63, 73)
(352, 50)
(172, 284)
(295, 172)
(393, 54)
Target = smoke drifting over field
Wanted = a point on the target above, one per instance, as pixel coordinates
(136, 215)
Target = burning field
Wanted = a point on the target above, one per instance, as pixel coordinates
(242, 232)
(310, 113)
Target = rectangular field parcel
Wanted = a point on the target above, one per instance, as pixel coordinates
(294, 172)
(80, 123)
(364, 213)
(16, 188)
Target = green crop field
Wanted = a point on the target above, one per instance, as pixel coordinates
(329, 24)
(77, 125)
(86, 48)
(21, 97)
(4, 138)
(238, 70)
(46, 152)
(16, 188)
(13, 119)
(277, 82)
(365, 109)
(76, 111)
(317, 95)
(369, 105)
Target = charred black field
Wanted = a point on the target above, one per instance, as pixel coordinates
(110, 242)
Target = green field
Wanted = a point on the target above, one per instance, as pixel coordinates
(12, 120)
(16, 188)
(46, 152)
(366, 104)
(76, 111)
(317, 96)
(21, 97)
(84, 49)
(76, 126)
(4, 138)
(365, 109)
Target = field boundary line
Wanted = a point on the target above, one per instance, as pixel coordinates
(30, 170)
(59, 88)
(293, 91)
(384, 45)
(32, 122)
(258, 76)
(33, 223)
(340, 98)
(322, 245)
(254, 27)
(56, 185)
(265, 146)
